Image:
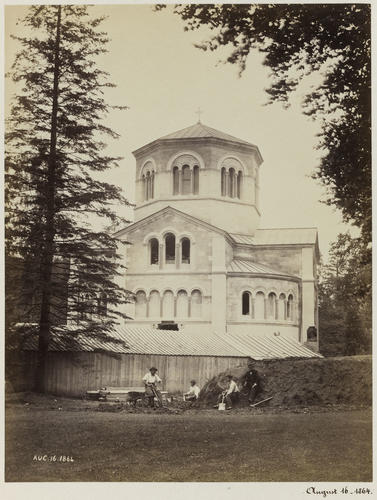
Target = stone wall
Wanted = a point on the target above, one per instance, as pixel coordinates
(231, 214)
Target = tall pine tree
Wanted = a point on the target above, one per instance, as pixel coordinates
(57, 206)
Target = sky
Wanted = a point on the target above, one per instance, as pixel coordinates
(163, 79)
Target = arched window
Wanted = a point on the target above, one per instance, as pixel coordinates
(168, 305)
(290, 307)
(232, 179)
(311, 334)
(246, 304)
(140, 304)
(259, 305)
(239, 184)
(186, 180)
(102, 304)
(223, 182)
(196, 304)
(281, 307)
(153, 246)
(175, 180)
(170, 248)
(271, 306)
(182, 304)
(185, 248)
(196, 179)
(154, 304)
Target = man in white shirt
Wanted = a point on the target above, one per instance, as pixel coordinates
(151, 379)
(193, 392)
(230, 395)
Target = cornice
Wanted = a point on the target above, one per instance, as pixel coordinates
(156, 144)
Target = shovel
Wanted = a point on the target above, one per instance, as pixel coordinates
(222, 404)
(260, 402)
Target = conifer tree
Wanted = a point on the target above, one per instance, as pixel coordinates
(57, 204)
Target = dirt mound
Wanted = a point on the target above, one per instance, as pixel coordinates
(302, 382)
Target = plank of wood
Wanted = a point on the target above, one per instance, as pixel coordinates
(260, 402)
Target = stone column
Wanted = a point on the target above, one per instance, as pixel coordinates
(152, 185)
(177, 255)
(265, 308)
(175, 306)
(294, 311)
(252, 307)
(227, 183)
(161, 305)
(147, 308)
(179, 181)
(189, 306)
(145, 182)
(285, 309)
(276, 308)
(192, 179)
(161, 256)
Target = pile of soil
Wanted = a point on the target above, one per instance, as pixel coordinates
(302, 382)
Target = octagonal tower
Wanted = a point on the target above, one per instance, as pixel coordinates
(203, 172)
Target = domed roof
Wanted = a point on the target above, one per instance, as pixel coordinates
(198, 131)
(202, 131)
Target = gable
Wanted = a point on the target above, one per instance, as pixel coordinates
(170, 214)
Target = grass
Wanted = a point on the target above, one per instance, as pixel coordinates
(192, 446)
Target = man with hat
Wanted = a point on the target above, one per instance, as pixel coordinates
(151, 379)
(251, 382)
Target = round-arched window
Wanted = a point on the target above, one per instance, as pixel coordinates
(246, 303)
(185, 246)
(170, 248)
(153, 248)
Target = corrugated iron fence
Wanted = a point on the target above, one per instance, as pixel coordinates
(71, 374)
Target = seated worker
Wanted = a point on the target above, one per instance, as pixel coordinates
(193, 392)
(251, 382)
(230, 395)
(151, 379)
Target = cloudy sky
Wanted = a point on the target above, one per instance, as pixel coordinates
(163, 78)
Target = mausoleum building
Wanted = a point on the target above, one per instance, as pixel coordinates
(198, 260)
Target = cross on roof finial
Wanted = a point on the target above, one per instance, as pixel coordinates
(199, 112)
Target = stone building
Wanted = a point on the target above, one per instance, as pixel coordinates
(198, 260)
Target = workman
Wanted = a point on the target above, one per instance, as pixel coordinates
(193, 393)
(230, 395)
(151, 381)
(251, 382)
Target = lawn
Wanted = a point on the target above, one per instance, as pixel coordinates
(192, 446)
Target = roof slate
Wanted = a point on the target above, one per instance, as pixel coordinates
(147, 340)
(288, 236)
(247, 266)
(199, 130)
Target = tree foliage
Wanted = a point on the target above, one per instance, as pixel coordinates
(345, 293)
(297, 40)
(58, 208)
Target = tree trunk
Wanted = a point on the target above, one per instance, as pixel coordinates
(48, 248)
